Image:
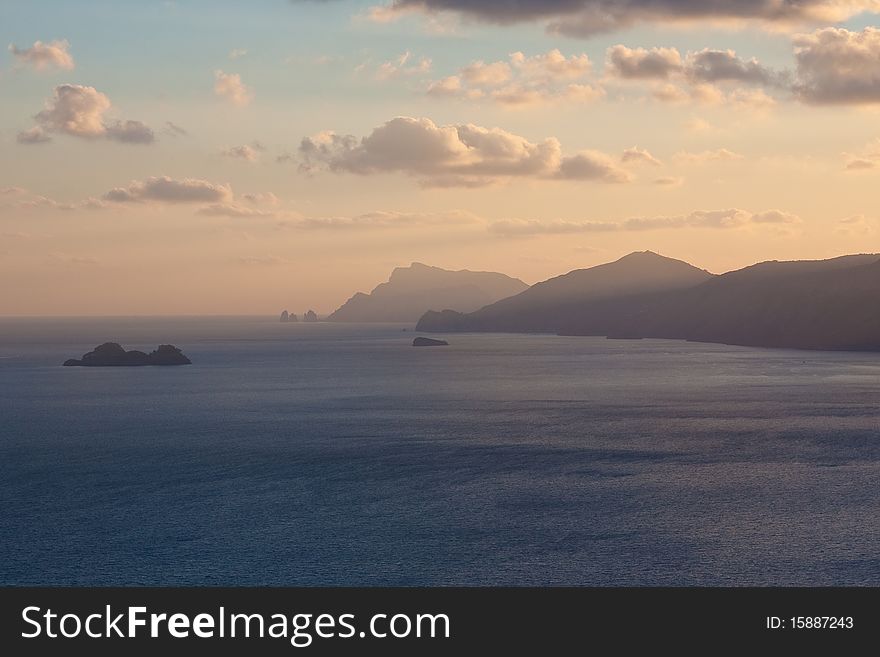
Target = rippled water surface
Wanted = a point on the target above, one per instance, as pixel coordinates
(340, 455)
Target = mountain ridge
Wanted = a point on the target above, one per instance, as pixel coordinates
(816, 304)
(410, 291)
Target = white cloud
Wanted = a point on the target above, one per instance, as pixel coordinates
(866, 159)
(75, 110)
(230, 87)
(164, 189)
(45, 56)
(452, 155)
(35, 135)
(637, 155)
(718, 219)
(481, 74)
(642, 63)
(386, 219)
(552, 65)
(130, 132)
(234, 210)
(244, 152)
(592, 165)
(836, 66)
(403, 66)
(857, 224)
(19, 199)
(237, 53)
(717, 155)
(79, 111)
(521, 81)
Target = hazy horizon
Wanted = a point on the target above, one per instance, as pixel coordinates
(235, 160)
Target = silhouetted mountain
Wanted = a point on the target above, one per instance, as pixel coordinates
(546, 307)
(410, 291)
(825, 304)
(111, 354)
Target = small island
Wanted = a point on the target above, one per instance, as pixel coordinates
(429, 342)
(111, 354)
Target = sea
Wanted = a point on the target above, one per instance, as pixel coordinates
(333, 454)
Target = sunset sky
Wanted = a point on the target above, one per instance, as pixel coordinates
(196, 157)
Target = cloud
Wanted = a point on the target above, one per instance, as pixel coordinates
(718, 219)
(403, 66)
(233, 210)
(668, 181)
(174, 130)
(451, 155)
(860, 164)
(163, 189)
(724, 65)
(237, 53)
(836, 66)
(592, 165)
(521, 81)
(711, 77)
(12, 191)
(522, 96)
(245, 152)
(130, 132)
(35, 135)
(642, 64)
(857, 224)
(717, 155)
(481, 74)
(45, 56)
(583, 18)
(19, 199)
(755, 100)
(385, 219)
(261, 198)
(636, 155)
(553, 64)
(868, 158)
(230, 87)
(379, 219)
(75, 110)
(452, 87)
(79, 111)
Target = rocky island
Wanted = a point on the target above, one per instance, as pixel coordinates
(429, 342)
(111, 354)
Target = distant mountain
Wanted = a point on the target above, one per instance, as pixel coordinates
(547, 306)
(823, 304)
(410, 291)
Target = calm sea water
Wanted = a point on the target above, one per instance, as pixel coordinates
(340, 455)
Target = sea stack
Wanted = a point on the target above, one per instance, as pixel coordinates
(310, 316)
(285, 316)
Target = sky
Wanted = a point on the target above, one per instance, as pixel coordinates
(216, 157)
